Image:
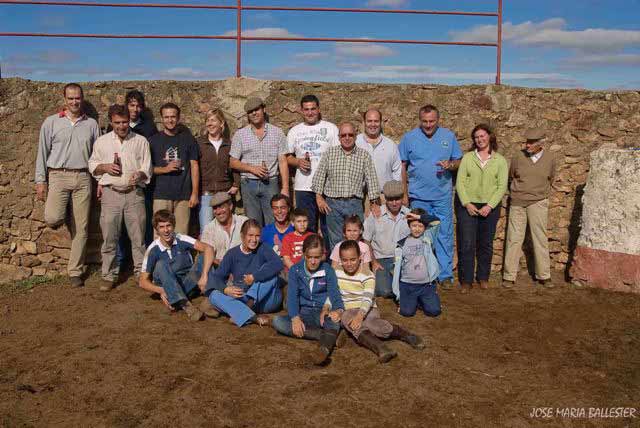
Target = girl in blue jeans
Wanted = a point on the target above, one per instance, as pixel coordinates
(311, 281)
(416, 266)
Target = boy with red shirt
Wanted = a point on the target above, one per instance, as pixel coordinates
(291, 251)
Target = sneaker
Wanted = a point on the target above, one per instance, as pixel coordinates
(546, 283)
(447, 284)
(192, 312)
(208, 309)
(76, 281)
(106, 285)
(508, 284)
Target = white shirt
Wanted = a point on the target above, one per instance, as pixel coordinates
(535, 158)
(134, 156)
(386, 158)
(483, 163)
(216, 144)
(215, 235)
(312, 139)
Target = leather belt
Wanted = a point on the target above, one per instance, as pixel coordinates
(124, 190)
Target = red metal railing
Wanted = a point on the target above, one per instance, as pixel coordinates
(239, 38)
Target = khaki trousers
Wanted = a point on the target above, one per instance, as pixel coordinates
(74, 186)
(373, 322)
(180, 209)
(116, 207)
(536, 215)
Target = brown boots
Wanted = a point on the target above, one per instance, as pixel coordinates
(327, 341)
(401, 333)
(371, 342)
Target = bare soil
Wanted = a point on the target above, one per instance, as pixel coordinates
(79, 357)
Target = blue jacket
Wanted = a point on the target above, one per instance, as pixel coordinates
(300, 296)
(433, 267)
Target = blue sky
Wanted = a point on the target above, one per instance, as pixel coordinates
(591, 44)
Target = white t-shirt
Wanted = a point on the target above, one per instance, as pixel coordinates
(216, 144)
(314, 139)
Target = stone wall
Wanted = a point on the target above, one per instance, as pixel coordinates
(578, 122)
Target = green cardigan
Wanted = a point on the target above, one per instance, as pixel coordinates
(488, 185)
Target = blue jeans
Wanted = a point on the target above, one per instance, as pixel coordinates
(205, 212)
(384, 278)
(424, 296)
(442, 209)
(256, 197)
(311, 319)
(267, 298)
(179, 278)
(341, 208)
(475, 239)
(307, 201)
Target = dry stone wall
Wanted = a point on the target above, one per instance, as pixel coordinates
(577, 121)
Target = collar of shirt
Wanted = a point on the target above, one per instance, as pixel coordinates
(350, 152)
(385, 212)
(483, 162)
(163, 248)
(136, 123)
(432, 135)
(63, 113)
(266, 131)
(313, 276)
(214, 142)
(535, 158)
(130, 135)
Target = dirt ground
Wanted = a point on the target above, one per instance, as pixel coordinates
(79, 357)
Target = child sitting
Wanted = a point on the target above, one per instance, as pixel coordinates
(311, 282)
(352, 231)
(292, 242)
(361, 316)
(416, 267)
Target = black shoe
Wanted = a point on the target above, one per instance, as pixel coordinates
(76, 281)
(371, 342)
(400, 333)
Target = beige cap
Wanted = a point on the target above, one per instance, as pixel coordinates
(533, 134)
(220, 198)
(252, 104)
(393, 189)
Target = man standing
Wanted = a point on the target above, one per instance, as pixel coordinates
(531, 172)
(223, 232)
(339, 178)
(273, 233)
(174, 153)
(307, 142)
(121, 162)
(259, 152)
(382, 149)
(64, 148)
(429, 155)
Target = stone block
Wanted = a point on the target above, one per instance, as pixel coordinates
(59, 238)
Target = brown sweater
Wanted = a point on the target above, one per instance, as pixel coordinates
(215, 173)
(531, 182)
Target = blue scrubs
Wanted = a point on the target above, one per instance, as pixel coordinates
(430, 187)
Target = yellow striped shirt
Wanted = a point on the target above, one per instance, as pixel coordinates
(357, 290)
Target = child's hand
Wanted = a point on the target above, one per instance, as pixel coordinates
(356, 322)
(248, 279)
(323, 313)
(376, 266)
(335, 315)
(298, 326)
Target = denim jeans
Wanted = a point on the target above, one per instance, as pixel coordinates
(384, 278)
(267, 298)
(341, 208)
(307, 201)
(205, 212)
(475, 242)
(179, 278)
(443, 209)
(310, 318)
(424, 296)
(256, 197)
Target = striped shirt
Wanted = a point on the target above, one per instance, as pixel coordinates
(357, 290)
(248, 148)
(342, 174)
(64, 144)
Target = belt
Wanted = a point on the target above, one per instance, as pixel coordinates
(70, 169)
(124, 190)
(344, 199)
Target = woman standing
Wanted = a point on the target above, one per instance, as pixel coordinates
(481, 184)
(215, 173)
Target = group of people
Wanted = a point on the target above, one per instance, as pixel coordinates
(332, 259)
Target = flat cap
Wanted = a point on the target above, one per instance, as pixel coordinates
(252, 104)
(393, 189)
(220, 198)
(534, 134)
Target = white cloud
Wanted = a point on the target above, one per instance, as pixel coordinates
(594, 60)
(552, 33)
(365, 50)
(310, 56)
(264, 32)
(387, 3)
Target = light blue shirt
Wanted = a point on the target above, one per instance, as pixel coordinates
(386, 158)
(427, 180)
(384, 231)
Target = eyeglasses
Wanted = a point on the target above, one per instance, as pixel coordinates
(347, 135)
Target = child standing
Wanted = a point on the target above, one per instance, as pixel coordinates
(416, 267)
(292, 242)
(311, 282)
(361, 316)
(352, 231)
